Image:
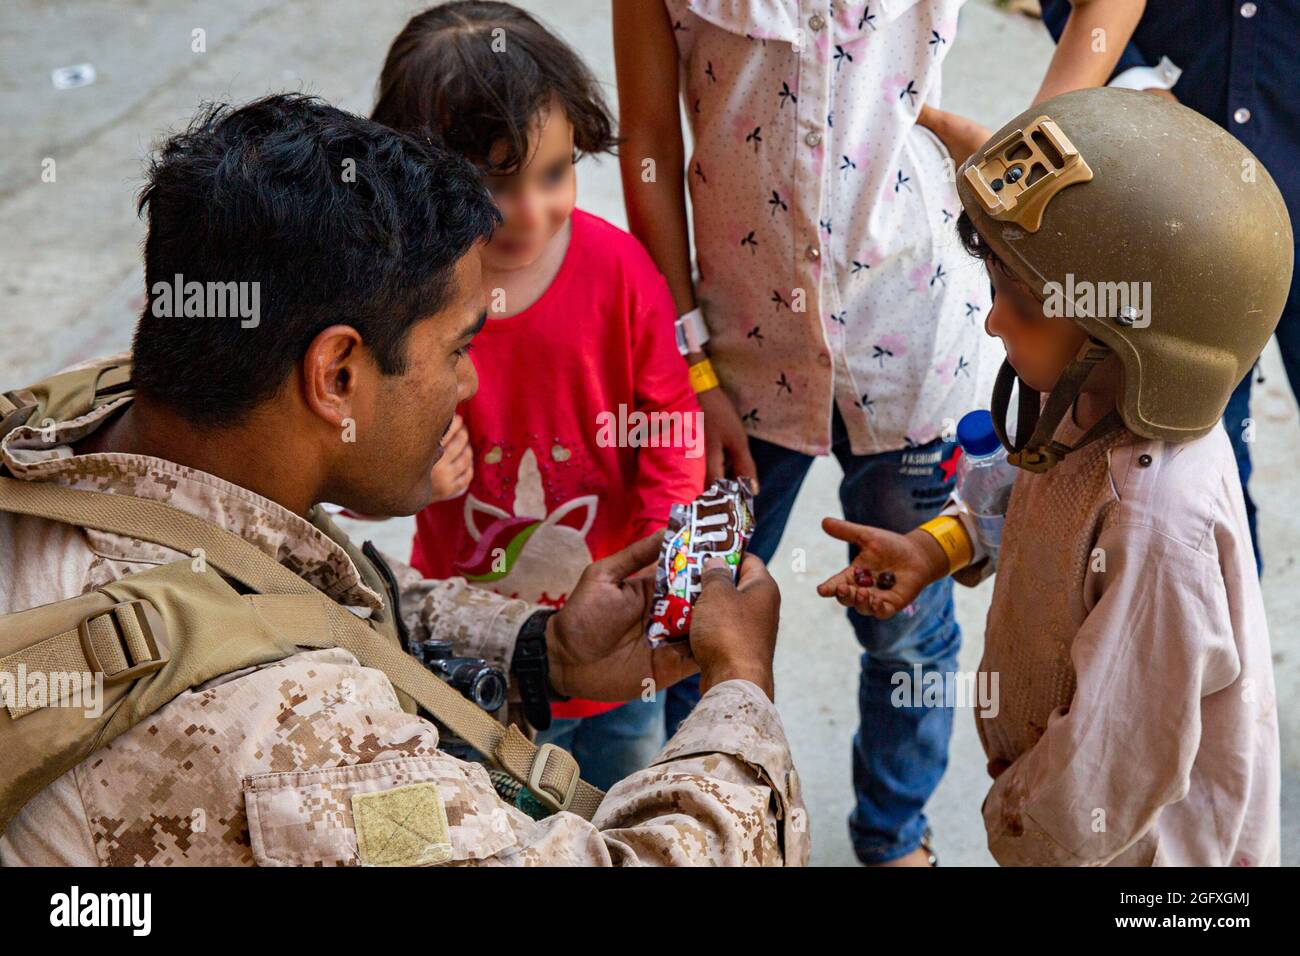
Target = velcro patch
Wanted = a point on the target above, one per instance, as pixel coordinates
(404, 826)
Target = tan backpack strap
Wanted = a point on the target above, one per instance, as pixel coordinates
(76, 673)
(122, 642)
(312, 620)
(16, 409)
(11, 402)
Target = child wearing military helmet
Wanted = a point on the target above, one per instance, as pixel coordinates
(1140, 258)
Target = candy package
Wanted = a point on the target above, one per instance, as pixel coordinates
(721, 522)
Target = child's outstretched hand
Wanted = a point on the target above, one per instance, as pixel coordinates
(889, 571)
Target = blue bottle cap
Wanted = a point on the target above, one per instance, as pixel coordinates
(975, 433)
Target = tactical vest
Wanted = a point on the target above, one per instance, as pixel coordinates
(155, 634)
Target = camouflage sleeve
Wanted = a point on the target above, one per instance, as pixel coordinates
(478, 623)
(724, 791)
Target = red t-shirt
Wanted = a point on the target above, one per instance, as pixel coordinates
(562, 475)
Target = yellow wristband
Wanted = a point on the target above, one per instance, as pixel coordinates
(703, 377)
(951, 535)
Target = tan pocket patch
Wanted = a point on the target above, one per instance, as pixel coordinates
(404, 826)
(308, 817)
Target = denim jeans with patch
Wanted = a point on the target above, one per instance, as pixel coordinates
(899, 753)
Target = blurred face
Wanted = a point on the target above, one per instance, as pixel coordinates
(1039, 347)
(537, 199)
(413, 411)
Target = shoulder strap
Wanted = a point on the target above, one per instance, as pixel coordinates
(66, 395)
(311, 619)
(77, 673)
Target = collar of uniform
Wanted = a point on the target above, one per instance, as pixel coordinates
(46, 454)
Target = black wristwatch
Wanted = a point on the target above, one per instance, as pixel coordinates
(532, 670)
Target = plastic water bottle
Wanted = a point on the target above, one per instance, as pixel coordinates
(984, 476)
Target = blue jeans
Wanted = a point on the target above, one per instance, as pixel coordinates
(899, 753)
(1238, 410)
(612, 745)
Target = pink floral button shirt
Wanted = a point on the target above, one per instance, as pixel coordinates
(824, 219)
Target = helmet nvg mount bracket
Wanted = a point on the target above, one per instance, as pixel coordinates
(1025, 169)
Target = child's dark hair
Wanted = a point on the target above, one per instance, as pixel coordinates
(977, 246)
(473, 74)
(974, 243)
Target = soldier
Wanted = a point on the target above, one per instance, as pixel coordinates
(159, 524)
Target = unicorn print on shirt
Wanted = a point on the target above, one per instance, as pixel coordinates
(531, 554)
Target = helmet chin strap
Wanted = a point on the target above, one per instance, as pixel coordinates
(1035, 449)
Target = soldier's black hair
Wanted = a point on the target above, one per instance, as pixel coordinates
(473, 74)
(339, 220)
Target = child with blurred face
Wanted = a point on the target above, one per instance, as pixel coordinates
(545, 468)
(1134, 718)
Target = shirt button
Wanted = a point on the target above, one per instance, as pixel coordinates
(1242, 115)
(816, 21)
(1248, 10)
(813, 253)
(813, 139)
(825, 360)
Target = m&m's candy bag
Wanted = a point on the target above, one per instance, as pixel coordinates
(721, 522)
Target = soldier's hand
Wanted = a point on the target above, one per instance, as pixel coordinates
(733, 625)
(596, 643)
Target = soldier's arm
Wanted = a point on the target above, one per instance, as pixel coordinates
(724, 791)
(309, 761)
(478, 623)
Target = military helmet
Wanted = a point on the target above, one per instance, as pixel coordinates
(1155, 231)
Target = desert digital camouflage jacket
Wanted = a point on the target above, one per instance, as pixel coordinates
(309, 760)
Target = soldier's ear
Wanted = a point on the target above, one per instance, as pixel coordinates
(330, 371)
